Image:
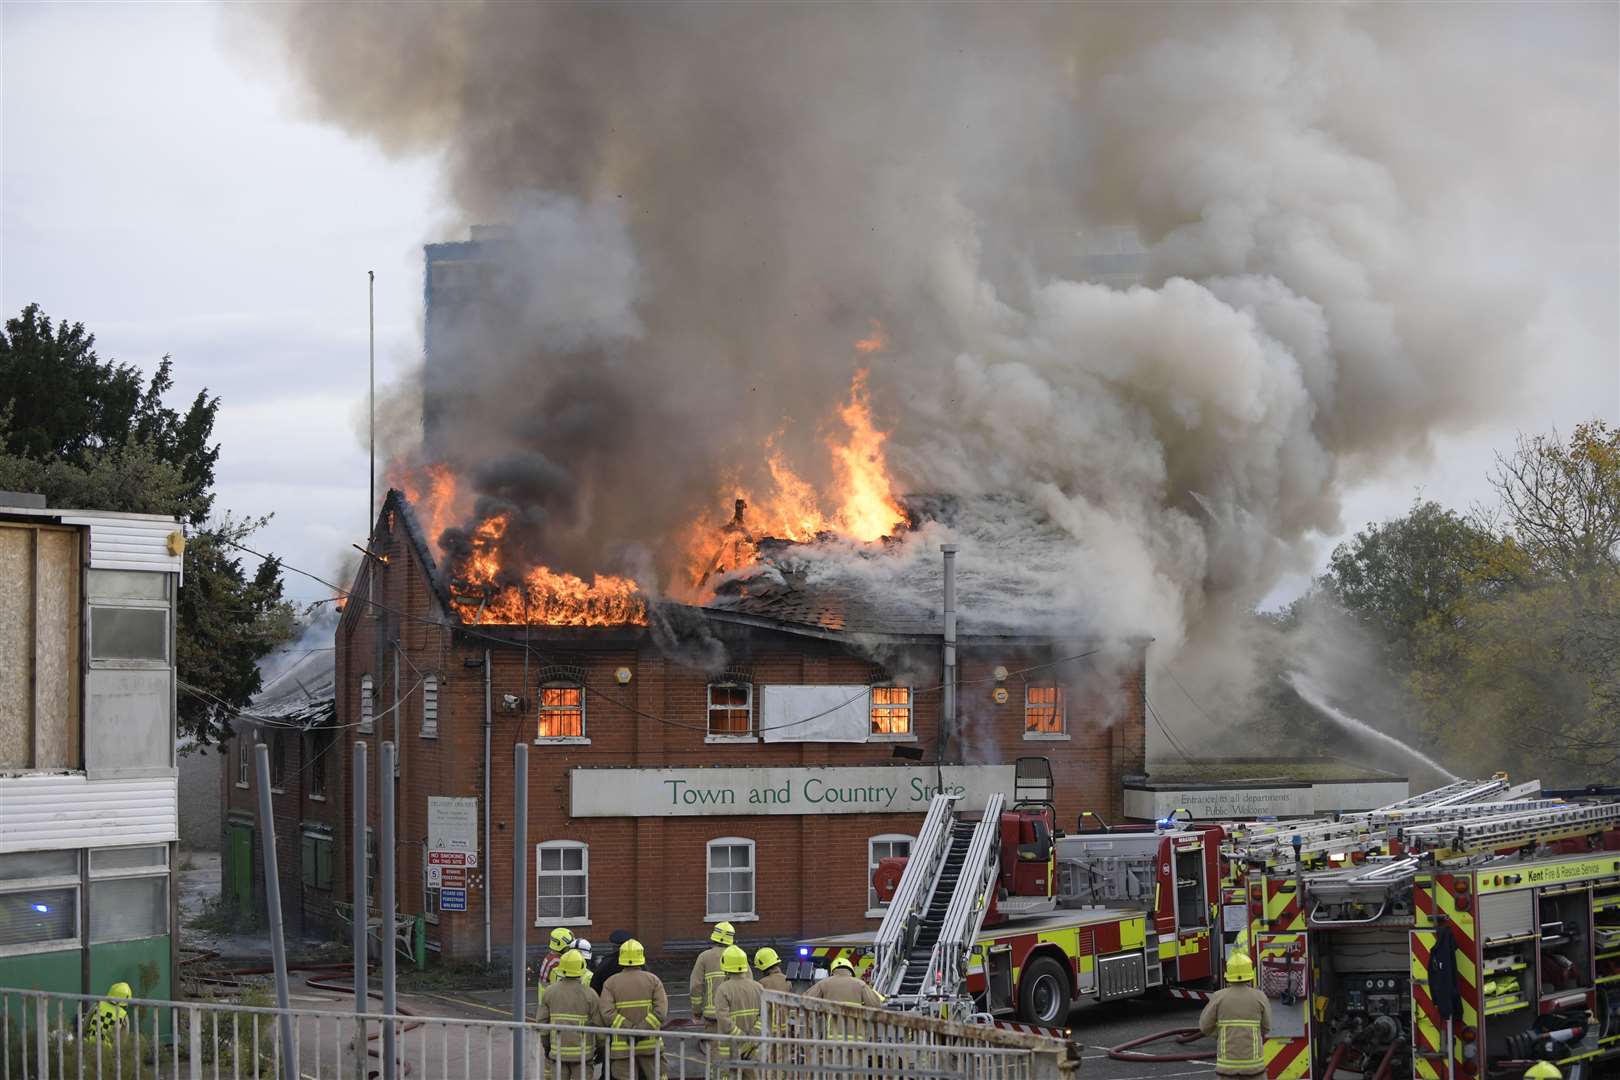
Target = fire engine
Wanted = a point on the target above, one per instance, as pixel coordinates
(1007, 916)
(1462, 934)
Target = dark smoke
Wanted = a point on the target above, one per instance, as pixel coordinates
(713, 201)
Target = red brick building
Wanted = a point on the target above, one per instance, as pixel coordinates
(737, 761)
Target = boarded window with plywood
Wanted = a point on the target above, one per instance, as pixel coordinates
(40, 614)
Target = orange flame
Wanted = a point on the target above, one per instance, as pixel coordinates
(790, 510)
(431, 490)
(544, 597)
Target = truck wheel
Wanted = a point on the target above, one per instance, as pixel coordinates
(1043, 993)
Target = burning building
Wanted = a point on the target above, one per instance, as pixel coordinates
(731, 757)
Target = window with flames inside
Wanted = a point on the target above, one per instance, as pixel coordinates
(562, 711)
(891, 710)
(731, 709)
(1044, 710)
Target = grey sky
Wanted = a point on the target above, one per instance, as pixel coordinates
(161, 184)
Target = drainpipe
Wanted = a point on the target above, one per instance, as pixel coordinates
(488, 872)
(947, 719)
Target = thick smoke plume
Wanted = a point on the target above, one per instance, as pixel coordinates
(715, 201)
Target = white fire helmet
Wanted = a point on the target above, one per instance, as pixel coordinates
(584, 948)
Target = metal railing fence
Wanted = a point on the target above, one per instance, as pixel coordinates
(46, 1036)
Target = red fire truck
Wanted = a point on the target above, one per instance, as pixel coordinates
(1007, 916)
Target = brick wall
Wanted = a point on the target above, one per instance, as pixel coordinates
(648, 874)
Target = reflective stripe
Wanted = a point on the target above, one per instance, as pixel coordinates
(1223, 1044)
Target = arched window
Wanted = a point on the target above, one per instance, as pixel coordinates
(562, 711)
(562, 883)
(1045, 713)
(731, 709)
(731, 878)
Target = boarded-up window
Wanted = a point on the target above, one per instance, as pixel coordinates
(40, 632)
(731, 709)
(430, 707)
(368, 699)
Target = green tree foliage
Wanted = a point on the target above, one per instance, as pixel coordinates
(93, 434)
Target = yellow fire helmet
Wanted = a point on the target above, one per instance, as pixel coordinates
(723, 934)
(1543, 1070)
(843, 962)
(120, 991)
(766, 958)
(572, 964)
(562, 938)
(1239, 968)
(631, 954)
(734, 961)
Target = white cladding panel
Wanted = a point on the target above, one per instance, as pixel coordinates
(129, 543)
(46, 811)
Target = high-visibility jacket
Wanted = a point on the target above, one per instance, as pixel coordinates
(736, 1012)
(706, 975)
(105, 1021)
(1240, 1019)
(570, 1003)
(846, 989)
(548, 974)
(634, 1000)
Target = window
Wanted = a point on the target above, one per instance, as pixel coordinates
(731, 878)
(887, 846)
(1044, 711)
(317, 860)
(368, 699)
(39, 901)
(129, 893)
(562, 711)
(891, 710)
(731, 709)
(430, 706)
(318, 745)
(244, 760)
(125, 633)
(562, 882)
(278, 761)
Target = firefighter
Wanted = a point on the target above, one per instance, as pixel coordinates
(562, 939)
(769, 966)
(584, 947)
(634, 1002)
(608, 966)
(845, 987)
(570, 1002)
(1239, 1017)
(110, 1014)
(1543, 1070)
(706, 975)
(736, 1008)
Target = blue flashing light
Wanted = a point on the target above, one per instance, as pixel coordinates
(43, 909)
(804, 950)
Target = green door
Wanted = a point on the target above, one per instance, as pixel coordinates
(239, 870)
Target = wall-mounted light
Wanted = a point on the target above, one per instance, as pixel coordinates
(1000, 673)
(622, 676)
(999, 694)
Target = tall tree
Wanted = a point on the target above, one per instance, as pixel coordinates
(91, 433)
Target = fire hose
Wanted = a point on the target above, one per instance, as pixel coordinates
(334, 978)
(1126, 1051)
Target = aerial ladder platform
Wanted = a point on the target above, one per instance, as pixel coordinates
(922, 948)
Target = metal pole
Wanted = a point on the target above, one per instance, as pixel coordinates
(947, 719)
(385, 903)
(272, 895)
(371, 305)
(520, 906)
(489, 841)
(359, 872)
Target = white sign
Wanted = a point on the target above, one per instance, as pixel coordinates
(452, 838)
(879, 789)
(1221, 804)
